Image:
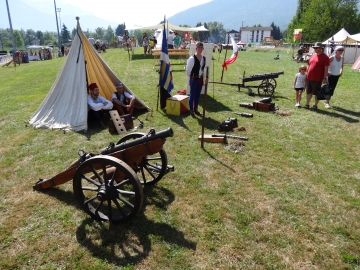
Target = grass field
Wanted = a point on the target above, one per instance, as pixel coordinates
(290, 199)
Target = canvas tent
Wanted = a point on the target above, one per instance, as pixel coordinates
(350, 42)
(339, 37)
(65, 106)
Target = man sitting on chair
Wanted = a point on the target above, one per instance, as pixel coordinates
(97, 105)
(123, 101)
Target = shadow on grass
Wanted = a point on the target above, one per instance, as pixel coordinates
(345, 111)
(129, 244)
(94, 127)
(333, 113)
(211, 106)
(217, 160)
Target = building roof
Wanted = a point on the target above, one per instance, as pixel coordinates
(233, 31)
(256, 28)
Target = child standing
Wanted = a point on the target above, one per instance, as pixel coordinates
(300, 84)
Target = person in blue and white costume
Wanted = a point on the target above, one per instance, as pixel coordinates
(97, 105)
(195, 70)
(335, 71)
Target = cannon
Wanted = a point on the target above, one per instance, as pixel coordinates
(265, 88)
(108, 185)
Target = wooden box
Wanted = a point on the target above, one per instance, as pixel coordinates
(264, 107)
(177, 104)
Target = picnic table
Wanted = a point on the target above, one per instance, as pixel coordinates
(182, 54)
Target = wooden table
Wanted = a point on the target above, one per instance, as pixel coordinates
(181, 54)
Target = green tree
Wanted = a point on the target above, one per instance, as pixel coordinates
(320, 19)
(276, 33)
(40, 36)
(217, 32)
(18, 39)
(119, 31)
(109, 34)
(65, 34)
(73, 33)
(29, 36)
(5, 38)
(99, 33)
(50, 38)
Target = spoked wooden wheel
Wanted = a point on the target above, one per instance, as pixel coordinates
(266, 89)
(108, 189)
(151, 168)
(271, 80)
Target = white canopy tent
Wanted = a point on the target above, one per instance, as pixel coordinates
(339, 37)
(350, 42)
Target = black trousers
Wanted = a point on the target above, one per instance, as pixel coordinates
(95, 115)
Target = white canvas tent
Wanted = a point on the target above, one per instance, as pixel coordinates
(65, 106)
(339, 37)
(350, 42)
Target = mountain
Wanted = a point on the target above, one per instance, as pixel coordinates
(38, 17)
(236, 13)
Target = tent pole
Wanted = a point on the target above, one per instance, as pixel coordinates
(222, 74)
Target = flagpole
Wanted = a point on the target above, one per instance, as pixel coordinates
(11, 32)
(158, 95)
(222, 74)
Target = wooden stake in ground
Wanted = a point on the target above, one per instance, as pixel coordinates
(204, 106)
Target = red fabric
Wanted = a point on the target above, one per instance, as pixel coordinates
(181, 92)
(317, 63)
(230, 60)
(233, 56)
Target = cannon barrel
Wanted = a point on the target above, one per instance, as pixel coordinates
(152, 135)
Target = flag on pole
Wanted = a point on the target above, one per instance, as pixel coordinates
(332, 45)
(166, 80)
(233, 56)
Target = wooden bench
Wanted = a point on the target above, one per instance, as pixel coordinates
(181, 54)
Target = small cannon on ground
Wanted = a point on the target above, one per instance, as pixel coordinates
(108, 186)
(265, 88)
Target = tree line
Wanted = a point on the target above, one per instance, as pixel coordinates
(318, 20)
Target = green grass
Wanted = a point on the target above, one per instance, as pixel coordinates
(290, 199)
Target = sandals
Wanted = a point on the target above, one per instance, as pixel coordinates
(306, 107)
(314, 108)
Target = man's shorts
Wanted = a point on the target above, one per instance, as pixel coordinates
(312, 87)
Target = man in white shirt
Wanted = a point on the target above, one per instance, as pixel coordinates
(170, 40)
(195, 70)
(97, 105)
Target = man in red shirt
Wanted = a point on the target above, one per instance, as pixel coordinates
(17, 59)
(317, 73)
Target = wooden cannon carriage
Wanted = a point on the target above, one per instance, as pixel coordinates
(108, 186)
(265, 88)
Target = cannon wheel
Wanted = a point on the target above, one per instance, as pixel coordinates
(266, 89)
(272, 81)
(152, 168)
(108, 189)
